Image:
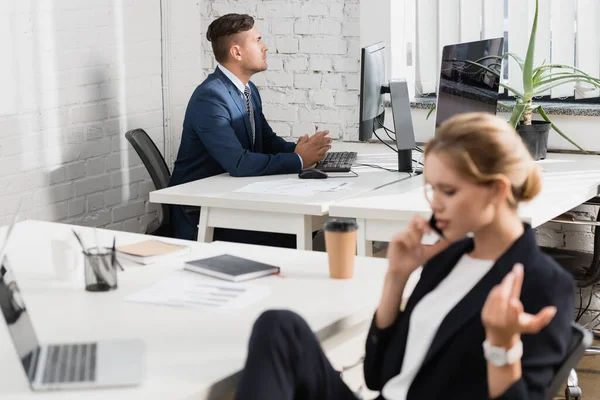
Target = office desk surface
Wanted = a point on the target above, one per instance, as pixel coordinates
(223, 207)
(220, 190)
(189, 353)
(568, 180)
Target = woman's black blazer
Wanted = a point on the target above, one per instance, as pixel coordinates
(454, 366)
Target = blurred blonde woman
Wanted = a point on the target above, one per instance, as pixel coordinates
(490, 316)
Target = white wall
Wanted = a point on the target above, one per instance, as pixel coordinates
(314, 52)
(181, 64)
(76, 75)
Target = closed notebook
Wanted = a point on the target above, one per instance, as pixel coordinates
(230, 268)
(149, 251)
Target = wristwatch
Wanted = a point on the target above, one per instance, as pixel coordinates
(499, 356)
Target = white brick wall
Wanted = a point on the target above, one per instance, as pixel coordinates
(313, 62)
(75, 76)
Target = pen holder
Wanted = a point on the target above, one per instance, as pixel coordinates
(100, 269)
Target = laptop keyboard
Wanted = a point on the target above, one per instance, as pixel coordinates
(70, 363)
(337, 161)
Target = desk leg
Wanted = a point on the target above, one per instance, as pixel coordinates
(304, 234)
(364, 247)
(205, 232)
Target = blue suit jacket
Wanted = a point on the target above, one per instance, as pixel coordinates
(217, 136)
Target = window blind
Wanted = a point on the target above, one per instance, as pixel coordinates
(568, 33)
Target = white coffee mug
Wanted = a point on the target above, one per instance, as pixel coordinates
(65, 258)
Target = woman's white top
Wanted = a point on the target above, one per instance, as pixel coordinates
(427, 316)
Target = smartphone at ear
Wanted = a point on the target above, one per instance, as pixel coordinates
(434, 235)
(433, 225)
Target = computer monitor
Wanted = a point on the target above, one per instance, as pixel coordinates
(373, 86)
(469, 78)
(372, 80)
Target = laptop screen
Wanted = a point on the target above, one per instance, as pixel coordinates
(14, 311)
(469, 78)
(18, 321)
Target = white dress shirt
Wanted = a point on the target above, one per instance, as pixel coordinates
(427, 317)
(240, 85)
(234, 79)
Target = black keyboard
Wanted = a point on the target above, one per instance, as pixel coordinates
(337, 161)
(70, 363)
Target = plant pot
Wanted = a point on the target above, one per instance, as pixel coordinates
(535, 137)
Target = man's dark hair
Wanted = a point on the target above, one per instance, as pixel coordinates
(221, 29)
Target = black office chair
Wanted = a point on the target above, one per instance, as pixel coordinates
(159, 172)
(582, 340)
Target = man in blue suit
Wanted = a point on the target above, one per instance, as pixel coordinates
(224, 129)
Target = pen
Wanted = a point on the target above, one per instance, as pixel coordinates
(79, 240)
(114, 257)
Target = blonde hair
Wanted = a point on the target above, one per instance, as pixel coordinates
(485, 148)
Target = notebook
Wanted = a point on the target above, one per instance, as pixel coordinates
(230, 268)
(149, 251)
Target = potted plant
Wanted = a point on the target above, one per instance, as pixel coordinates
(537, 81)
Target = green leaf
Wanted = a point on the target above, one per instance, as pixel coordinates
(569, 76)
(559, 83)
(551, 66)
(516, 115)
(528, 64)
(518, 59)
(509, 106)
(540, 75)
(430, 111)
(483, 67)
(561, 66)
(547, 119)
(499, 58)
(513, 90)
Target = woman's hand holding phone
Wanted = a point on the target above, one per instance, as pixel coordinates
(406, 253)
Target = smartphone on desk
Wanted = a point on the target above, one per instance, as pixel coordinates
(435, 234)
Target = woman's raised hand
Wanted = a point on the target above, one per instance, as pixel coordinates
(406, 253)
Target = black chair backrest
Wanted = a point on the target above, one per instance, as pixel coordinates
(154, 163)
(582, 339)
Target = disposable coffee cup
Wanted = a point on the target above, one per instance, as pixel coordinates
(340, 243)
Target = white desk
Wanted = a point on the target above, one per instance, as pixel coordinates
(221, 206)
(568, 181)
(189, 353)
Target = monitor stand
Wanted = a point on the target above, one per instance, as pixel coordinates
(403, 126)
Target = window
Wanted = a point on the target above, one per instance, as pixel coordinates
(567, 34)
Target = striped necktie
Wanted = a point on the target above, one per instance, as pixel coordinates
(250, 111)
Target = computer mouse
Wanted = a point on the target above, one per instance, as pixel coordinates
(312, 173)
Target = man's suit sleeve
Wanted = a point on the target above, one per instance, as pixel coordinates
(272, 143)
(211, 121)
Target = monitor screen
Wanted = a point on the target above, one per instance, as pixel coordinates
(469, 78)
(372, 78)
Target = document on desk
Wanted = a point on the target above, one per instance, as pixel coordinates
(294, 187)
(200, 293)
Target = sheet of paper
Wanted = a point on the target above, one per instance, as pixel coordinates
(204, 294)
(295, 187)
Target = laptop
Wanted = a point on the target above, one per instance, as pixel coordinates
(70, 365)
